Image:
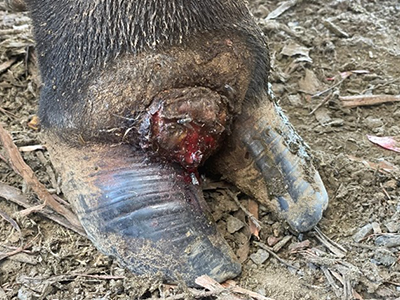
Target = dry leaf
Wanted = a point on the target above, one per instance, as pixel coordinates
(253, 209)
(386, 142)
(34, 123)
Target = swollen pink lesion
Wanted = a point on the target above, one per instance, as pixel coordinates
(186, 125)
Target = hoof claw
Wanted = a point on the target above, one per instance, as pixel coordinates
(145, 214)
(273, 164)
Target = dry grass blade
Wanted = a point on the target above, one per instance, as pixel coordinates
(9, 114)
(33, 209)
(7, 64)
(14, 195)
(20, 167)
(334, 247)
(101, 277)
(331, 281)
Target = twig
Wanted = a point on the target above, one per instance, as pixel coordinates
(212, 285)
(10, 220)
(20, 167)
(19, 249)
(194, 293)
(335, 29)
(14, 195)
(102, 277)
(282, 8)
(326, 99)
(253, 209)
(279, 245)
(385, 192)
(363, 100)
(330, 88)
(271, 251)
(248, 214)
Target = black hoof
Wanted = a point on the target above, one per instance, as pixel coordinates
(272, 162)
(146, 214)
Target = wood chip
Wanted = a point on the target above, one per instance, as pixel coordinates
(364, 100)
(278, 246)
(31, 148)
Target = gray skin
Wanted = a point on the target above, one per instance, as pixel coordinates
(124, 83)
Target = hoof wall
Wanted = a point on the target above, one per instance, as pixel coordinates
(144, 213)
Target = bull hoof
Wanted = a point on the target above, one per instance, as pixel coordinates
(150, 88)
(143, 204)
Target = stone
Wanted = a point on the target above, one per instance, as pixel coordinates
(388, 240)
(393, 226)
(373, 123)
(233, 224)
(259, 257)
(362, 233)
(376, 227)
(384, 257)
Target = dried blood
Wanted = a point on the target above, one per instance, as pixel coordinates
(188, 146)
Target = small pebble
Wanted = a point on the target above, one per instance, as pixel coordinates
(394, 130)
(376, 227)
(384, 257)
(262, 291)
(373, 123)
(24, 294)
(362, 233)
(3, 294)
(233, 224)
(390, 185)
(295, 100)
(259, 257)
(392, 226)
(388, 240)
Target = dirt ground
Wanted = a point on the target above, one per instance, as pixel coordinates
(345, 47)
